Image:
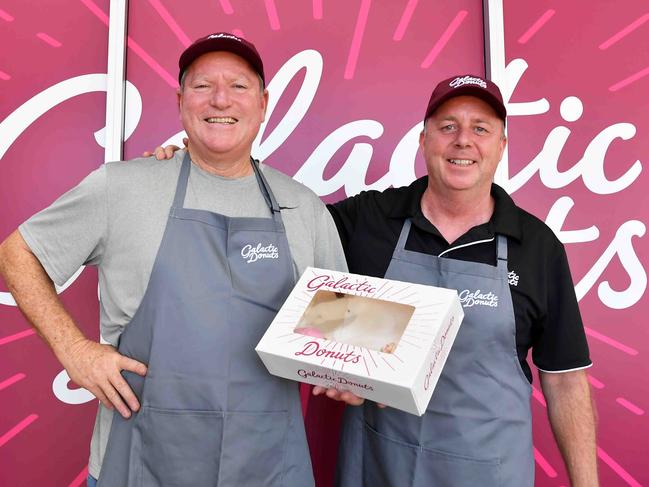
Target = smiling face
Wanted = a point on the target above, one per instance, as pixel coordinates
(221, 107)
(462, 142)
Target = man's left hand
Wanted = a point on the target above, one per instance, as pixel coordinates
(344, 396)
(166, 152)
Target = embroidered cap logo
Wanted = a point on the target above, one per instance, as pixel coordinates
(467, 80)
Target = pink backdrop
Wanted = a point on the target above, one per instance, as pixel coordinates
(52, 92)
(361, 73)
(590, 57)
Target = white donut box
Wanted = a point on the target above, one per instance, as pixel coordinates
(407, 329)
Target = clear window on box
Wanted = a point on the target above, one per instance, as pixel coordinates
(355, 320)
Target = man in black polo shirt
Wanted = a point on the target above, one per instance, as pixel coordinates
(455, 228)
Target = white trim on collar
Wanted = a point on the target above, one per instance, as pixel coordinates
(467, 245)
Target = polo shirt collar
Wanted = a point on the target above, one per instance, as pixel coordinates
(504, 221)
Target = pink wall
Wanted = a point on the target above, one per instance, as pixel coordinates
(378, 66)
(52, 101)
(591, 51)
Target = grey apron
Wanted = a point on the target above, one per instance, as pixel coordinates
(477, 428)
(211, 414)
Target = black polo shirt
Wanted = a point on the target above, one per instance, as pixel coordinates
(545, 306)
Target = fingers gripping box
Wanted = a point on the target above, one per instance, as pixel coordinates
(383, 340)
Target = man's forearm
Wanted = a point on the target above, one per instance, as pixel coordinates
(91, 365)
(36, 296)
(572, 417)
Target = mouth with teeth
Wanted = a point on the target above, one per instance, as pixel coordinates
(222, 120)
(461, 162)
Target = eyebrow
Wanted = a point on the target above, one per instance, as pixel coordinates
(451, 118)
(480, 120)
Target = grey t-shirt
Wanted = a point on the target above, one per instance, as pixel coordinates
(115, 219)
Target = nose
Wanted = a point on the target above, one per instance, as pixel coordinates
(463, 137)
(220, 97)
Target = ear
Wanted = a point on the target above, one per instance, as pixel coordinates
(179, 100)
(422, 137)
(264, 104)
(503, 145)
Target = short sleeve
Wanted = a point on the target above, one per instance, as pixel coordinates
(70, 232)
(562, 344)
(344, 215)
(328, 250)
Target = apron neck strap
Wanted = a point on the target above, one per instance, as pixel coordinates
(265, 188)
(181, 186)
(183, 178)
(502, 249)
(403, 237)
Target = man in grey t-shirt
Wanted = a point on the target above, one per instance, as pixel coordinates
(169, 240)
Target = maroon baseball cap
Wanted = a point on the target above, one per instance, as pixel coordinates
(222, 41)
(469, 85)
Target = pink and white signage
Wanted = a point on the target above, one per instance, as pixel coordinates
(349, 82)
(52, 114)
(578, 74)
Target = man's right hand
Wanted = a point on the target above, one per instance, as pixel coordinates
(97, 368)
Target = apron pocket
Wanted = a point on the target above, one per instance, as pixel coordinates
(447, 469)
(390, 462)
(180, 448)
(386, 461)
(255, 448)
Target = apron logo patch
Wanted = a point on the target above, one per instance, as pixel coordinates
(477, 298)
(254, 253)
(512, 278)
